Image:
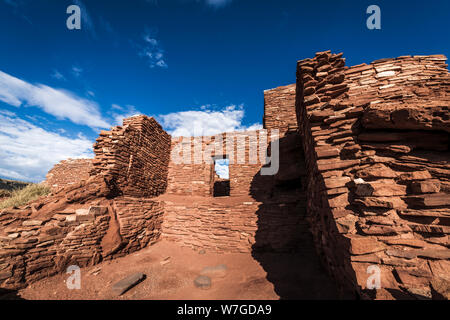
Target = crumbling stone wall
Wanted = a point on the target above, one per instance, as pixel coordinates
(279, 110)
(87, 221)
(134, 157)
(376, 145)
(68, 172)
(78, 225)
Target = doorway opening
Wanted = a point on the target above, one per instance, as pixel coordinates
(221, 178)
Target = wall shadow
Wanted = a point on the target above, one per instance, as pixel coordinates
(8, 294)
(283, 243)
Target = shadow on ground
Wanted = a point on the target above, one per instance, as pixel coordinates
(7, 294)
(283, 244)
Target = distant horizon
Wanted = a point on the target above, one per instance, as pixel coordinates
(196, 66)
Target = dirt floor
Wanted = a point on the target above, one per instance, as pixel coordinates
(170, 272)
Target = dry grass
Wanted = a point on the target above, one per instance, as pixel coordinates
(23, 196)
(5, 193)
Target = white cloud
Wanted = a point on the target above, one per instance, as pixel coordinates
(57, 102)
(152, 51)
(28, 152)
(221, 167)
(205, 122)
(7, 113)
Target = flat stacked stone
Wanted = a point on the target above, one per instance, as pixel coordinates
(376, 145)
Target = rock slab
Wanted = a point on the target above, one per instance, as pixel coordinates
(126, 284)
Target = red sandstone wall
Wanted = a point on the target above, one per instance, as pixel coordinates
(68, 172)
(279, 109)
(75, 226)
(216, 225)
(376, 146)
(236, 224)
(263, 212)
(87, 221)
(134, 157)
(196, 178)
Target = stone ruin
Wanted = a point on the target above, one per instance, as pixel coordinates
(364, 177)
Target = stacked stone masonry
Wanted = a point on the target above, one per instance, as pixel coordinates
(75, 226)
(376, 140)
(68, 172)
(191, 170)
(105, 216)
(134, 157)
(257, 210)
(363, 167)
(278, 111)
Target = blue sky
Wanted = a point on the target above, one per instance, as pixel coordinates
(198, 66)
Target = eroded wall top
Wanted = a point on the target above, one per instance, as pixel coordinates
(134, 157)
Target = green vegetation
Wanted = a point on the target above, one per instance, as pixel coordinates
(22, 196)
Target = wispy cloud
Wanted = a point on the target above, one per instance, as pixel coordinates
(119, 113)
(58, 102)
(217, 3)
(105, 25)
(76, 71)
(12, 3)
(152, 50)
(58, 75)
(17, 6)
(205, 121)
(86, 20)
(28, 151)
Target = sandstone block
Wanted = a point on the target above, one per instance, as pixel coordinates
(427, 186)
(28, 223)
(364, 245)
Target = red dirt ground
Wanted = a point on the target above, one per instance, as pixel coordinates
(245, 277)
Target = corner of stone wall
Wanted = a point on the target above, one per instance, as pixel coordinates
(315, 78)
(372, 195)
(134, 157)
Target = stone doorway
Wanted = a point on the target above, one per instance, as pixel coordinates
(221, 176)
